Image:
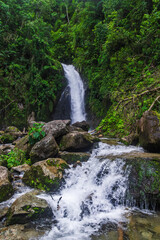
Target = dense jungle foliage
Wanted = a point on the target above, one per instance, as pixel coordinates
(115, 44)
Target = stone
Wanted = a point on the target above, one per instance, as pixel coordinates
(21, 168)
(149, 131)
(83, 125)
(46, 174)
(6, 188)
(23, 144)
(3, 212)
(57, 128)
(73, 157)
(7, 138)
(21, 232)
(45, 148)
(26, 208)
(76, 141)
(12, 129)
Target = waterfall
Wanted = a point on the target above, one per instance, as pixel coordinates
(77, 92)
(93, 195)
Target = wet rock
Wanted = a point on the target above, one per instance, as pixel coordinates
(3, 212)
(56, 128)
(46, 175)
(142, 226)
(83, 125)
(26, 208)
(76, 141)
(73, 157)
(6, 189)
(45, 148)
(149, 131)
(20, 232)
(21, 168)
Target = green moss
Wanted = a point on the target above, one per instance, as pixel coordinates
(35, 178)
(6, 191)
(7, 138)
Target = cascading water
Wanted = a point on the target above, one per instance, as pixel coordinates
(93, 195)
(77, 92)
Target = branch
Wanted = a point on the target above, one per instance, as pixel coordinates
(153, 103)
(138, 95)
(6, 106)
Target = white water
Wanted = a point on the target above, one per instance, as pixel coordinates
(93, 194)
(77, 93)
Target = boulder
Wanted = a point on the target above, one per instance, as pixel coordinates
(84, 125)
(6, 148)
(73, 157)
(57, 128)
(45, 175)
(76, 141)
(23, 144)
(26, 208)
(12, 129)
(6, 188)
(7, 138)
(45, 148)
(149, 131)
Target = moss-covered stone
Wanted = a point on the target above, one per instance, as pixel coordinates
(27, 208)
(46, 175)
(73, 157)
(6, 191)
(12, 129)
(7, 138)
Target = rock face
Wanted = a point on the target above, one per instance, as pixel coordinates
(6, 189)
(73, 157)
(45, 148)
(46, 175)
(76, 141)
(84, 125)
(56, 128)
(26, 208)
(149, 131)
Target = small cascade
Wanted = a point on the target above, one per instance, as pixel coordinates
(77, 92)
(93, 195)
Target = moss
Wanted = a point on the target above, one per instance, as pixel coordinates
(7, 138)
(157, 114)
(6, 191)
(35, 178)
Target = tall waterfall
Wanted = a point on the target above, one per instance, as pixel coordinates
(77, 91)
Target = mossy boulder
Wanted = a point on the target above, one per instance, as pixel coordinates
(46, 175)
(7, 138)
(149, 131)
(83, 125)
(45, 148)
(76, 141)
(6, 188)
(12, 129)
(26, 208)
(23, 144)
(73, 157)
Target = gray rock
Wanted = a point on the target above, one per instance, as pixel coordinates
(26, 208)
(45, 148)
(57, 128)
(84, 125)
(6, 189)
(149, 131)
(76, 141)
